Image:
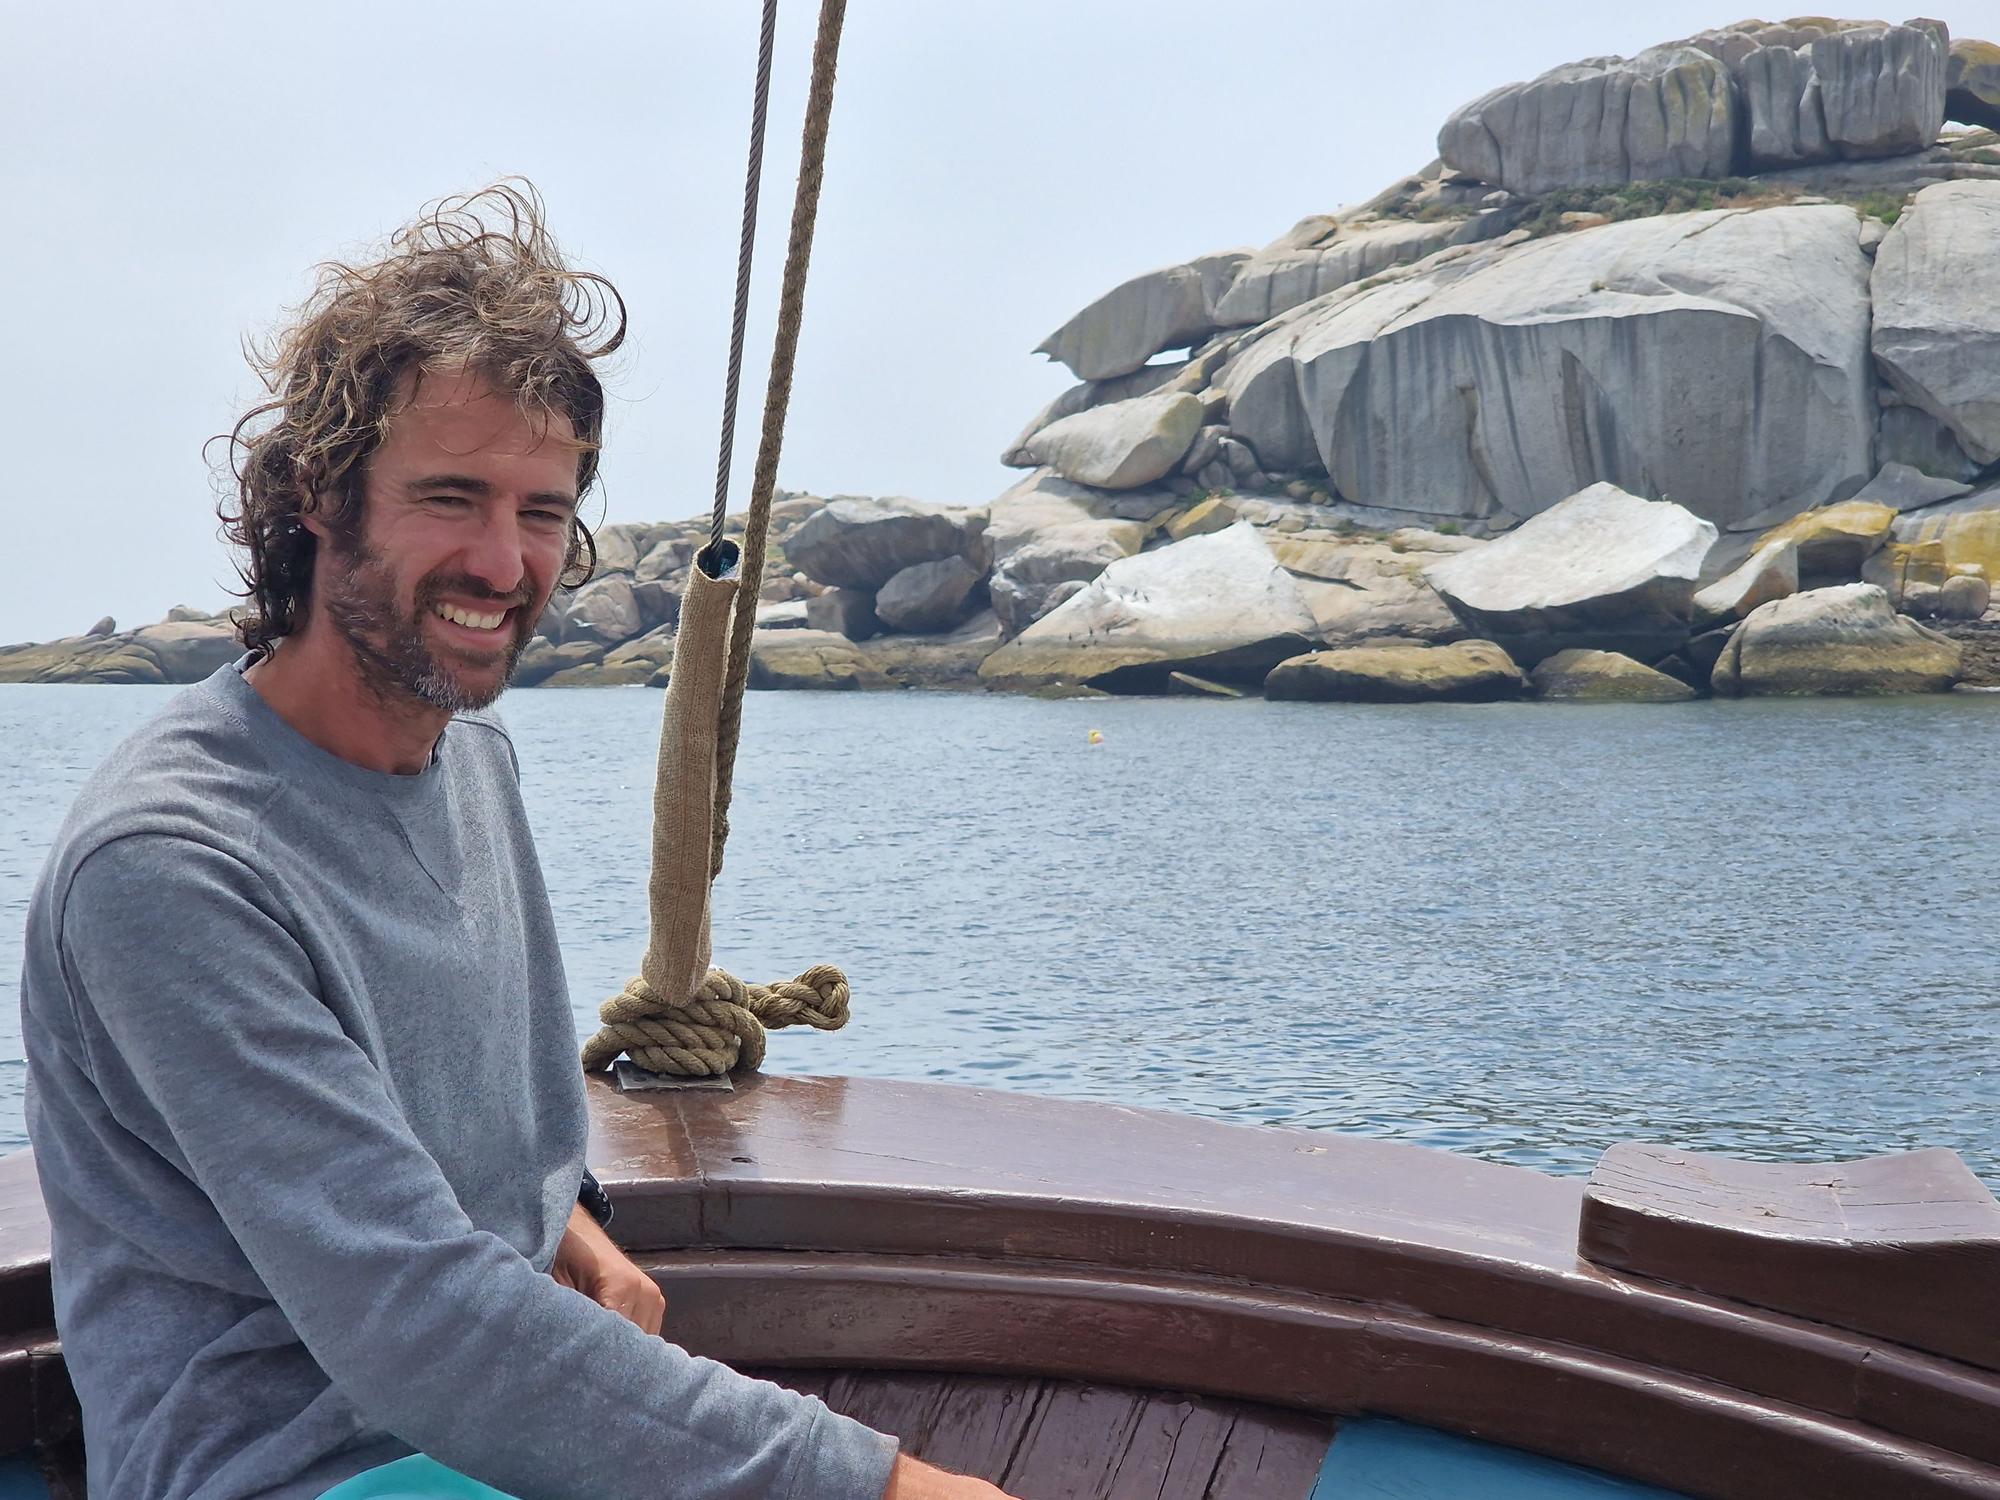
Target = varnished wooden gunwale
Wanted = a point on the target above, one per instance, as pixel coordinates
(1903, 1247)
(1309, 1353)
(872, 1225)
(842, 1167)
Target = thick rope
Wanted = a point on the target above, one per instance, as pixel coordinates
(717, 1030)
(720, 1026)
(746, 253)
(777, 397)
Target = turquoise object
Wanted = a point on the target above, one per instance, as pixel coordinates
(1374, 1458)
(21, 1480)
(413, 1478)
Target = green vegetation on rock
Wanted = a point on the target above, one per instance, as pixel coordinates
(1645, 200)
(1888, 207)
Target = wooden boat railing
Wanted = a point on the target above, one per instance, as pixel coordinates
(830, 1224)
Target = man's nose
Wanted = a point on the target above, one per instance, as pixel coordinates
(494, 557)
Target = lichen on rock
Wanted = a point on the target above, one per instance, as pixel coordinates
(1840, 640)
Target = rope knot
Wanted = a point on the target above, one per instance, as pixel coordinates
(719, 1029)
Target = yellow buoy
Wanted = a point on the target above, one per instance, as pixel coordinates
(1096, 736)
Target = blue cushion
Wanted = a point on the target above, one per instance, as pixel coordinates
(1373, 1458)
(21, 1480)
(414, 1478)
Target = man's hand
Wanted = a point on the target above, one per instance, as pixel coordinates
(587, 1261)
(911, 1480)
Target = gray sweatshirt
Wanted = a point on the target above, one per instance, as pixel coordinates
(305, 1102)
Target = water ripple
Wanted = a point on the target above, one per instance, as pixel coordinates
(1515, 931)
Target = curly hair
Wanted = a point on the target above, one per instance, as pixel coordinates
(476, 282)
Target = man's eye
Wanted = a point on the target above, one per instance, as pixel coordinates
(548, 517)
(448, 500)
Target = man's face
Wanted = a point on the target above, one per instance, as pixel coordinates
(467, 513)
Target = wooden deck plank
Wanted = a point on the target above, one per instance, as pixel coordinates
(981, 1423)
(907, 1404)
(1275, 1455)
(1080, 1442)
(1195, 1435)
(969, 1423)
(1070, 1440)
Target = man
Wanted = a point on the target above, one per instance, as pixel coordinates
(303, 1082)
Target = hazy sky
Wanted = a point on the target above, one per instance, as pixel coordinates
(173, 171)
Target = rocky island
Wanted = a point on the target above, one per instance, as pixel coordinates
(1673, 375)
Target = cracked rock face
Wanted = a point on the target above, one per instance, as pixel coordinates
(1817, 90)
(1035, 577)
(1931, 546)
(1121, 446)
(862, 543)
(1272, 281)
(1787, 119)
(1798, 92)
(1936, 288)
(1078, 398)
(1834, 640)
(1171, 308)
(1719, 359)
(1605, 677)
(1771, 572)
(1882, 92)
(604, 610)
(929, 596)
(1358, 590)
(1906, 435)
(1834, 540)
(1465, 672)
(1972, 83)
(1603, 569)
(1668, 112)
(1218, 606)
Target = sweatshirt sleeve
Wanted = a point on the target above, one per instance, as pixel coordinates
(206, 1033)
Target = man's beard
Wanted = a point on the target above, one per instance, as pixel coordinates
(388, 642)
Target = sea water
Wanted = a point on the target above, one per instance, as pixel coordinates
(1520, 931)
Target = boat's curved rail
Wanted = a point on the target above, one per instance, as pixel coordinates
(866, 1225)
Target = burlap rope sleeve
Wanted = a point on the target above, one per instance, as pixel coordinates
(680, 1016)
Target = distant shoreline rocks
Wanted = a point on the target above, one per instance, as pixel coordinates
(185, 647)
(1605, 597)
(1703, 402)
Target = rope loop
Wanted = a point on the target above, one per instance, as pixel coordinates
(719, 1029)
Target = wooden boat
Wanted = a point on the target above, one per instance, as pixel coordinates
(1087, 1302)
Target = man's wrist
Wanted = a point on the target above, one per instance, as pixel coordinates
(912, 1479)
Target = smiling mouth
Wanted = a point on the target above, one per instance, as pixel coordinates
(469, 619)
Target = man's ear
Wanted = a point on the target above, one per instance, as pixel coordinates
(313, 517)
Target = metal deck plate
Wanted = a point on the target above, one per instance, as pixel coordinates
(632, 1079)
